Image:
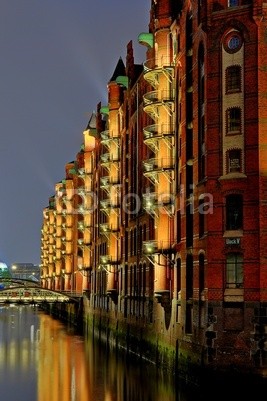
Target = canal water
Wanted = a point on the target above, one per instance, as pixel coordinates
(42, 359)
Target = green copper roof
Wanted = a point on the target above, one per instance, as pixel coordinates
(104, 110)
(146, 39)
(123, 80)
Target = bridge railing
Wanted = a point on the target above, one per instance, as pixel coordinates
(36, 295)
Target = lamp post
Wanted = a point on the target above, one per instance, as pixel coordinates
(13, 269)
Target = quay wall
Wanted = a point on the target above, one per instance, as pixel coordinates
(185, 358)
(137, 339)
(195, 358)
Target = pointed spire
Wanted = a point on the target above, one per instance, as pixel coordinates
(119, 70)
(92, 122)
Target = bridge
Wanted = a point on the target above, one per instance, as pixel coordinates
(29, 292)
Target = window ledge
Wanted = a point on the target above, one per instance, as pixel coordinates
(233, 233)
(233, 91)
(232, 133)
(232, 176)
(234, 295)
(230, 9)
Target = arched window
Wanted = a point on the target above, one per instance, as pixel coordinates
(189, 294)
(178, 276)
(189, 277)
(201, 113)
(201, 266)
(201, 218)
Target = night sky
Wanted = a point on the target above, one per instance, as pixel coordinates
(57, 57)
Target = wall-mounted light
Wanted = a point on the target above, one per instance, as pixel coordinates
(190, 162)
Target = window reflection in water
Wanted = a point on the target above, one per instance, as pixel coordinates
(42, 360)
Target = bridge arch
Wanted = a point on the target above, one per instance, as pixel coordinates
(34, 294)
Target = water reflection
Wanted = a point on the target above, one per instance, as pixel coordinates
(18, 356)
(62, 370)
(124, 379)
(43, 360)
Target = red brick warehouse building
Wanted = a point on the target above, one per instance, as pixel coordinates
(184, 274)
(232, 127)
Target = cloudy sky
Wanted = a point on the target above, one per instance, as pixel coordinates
(56, 57)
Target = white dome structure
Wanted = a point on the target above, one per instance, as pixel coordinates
(3, 266)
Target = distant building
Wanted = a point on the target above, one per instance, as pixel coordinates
(26, 271)
(4, 271)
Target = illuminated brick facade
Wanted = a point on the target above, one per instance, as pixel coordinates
(168, 193)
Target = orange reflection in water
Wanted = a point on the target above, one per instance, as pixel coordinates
(73, 369)
(62, 369)
(41, 359)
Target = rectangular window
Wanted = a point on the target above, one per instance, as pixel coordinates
(234, 120)
(234, 271)
(234, 160)
(233, 79)
(234, 212)
(233, 3)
